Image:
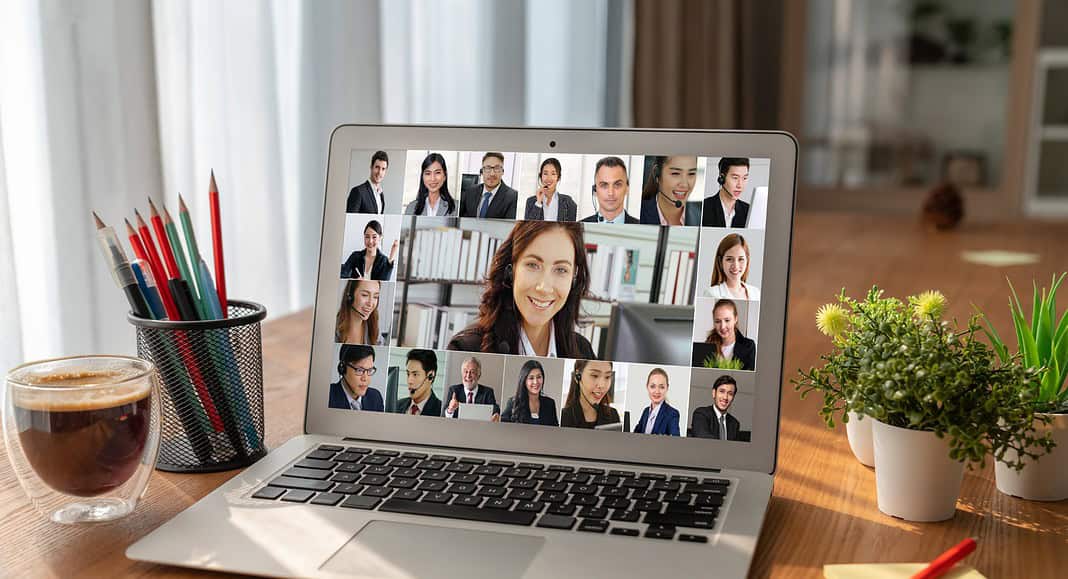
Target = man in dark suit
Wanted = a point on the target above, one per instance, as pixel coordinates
(714, 421)
(491, 199)
(422, 368)
(610, 188)
(367, 197)
(469, 391)
(726, 206)
(356, 365)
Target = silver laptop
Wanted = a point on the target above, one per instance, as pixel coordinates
(607, 296)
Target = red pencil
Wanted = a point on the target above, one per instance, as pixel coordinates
(140, 252)
(947, 560)
(153, 258)
(217, 245)
(164, 246)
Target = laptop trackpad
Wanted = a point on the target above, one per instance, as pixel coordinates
(401, 550)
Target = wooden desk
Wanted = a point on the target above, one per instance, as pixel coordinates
(824, 508)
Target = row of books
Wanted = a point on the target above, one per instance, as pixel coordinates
(613, 271)
(681, 267)
(452, 254)
(433, 327)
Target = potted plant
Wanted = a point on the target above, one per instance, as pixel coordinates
(938, 398)
(1043, 343)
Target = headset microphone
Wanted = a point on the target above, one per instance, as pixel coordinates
(596, 210)
(678, 204)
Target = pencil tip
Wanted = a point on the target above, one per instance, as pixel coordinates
(129, 228)
(167, 216)
(140, 220)
(212, 188)
(152, 208)
(99, 222)
(181, 204)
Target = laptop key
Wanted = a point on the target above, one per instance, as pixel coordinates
(576, 478)
(320, 454)
(433, 486)
(431, 464)
(348, 457)
(678, 498)
(583, 489)
(708, 511)
(583, 500)
(302, 484)
(637, 483)
(360, 502)
(646, 495)
(468, 501)
(717, 481)
(653, 506)
(403, 462)
(379, 470)
(269, 493)
(516, 473)
(493, 481)
(407, 473)
(625, 516)
(593, 525)
(311, 473)
(499, 504)
(653, 476)
(403, 483)
(680, 520)
(693, 538)
(550, 521)
(344, 477)
(462, 478)
(593, 513)
(606, 480)
(531, 465)
(462, 489)
(590, 470)
(517, 483)
(316, 463)
(530, 506)
(626, 532)
(375, 460)
(469, 460)
(328, 499)
(566, 510)
(443, 458)
(297, 496)
(488, 470)
(379, 492)
(385, 452)
(614, 492)
(373, 480)
(554, 497)
(350, 467)
(495, 492)
(708, 500)
(460, 467)
(437, 475)
(522, 494)
(330, 448)
(348, 489)
(671, 486)
(660, 534)
(618, 503)
(561, 468)
(549, 475)
(621, 473)
(684, 479)
(358, 449)
(417, 455)
(553, 487)
(504, 463)
(437, 497)
(455, 511)
(408, 494)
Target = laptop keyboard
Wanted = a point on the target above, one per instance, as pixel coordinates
(594, 500)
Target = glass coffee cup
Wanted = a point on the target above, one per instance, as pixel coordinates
(82, 434)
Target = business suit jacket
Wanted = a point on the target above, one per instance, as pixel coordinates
(667, 421)
(744, 350)
(627, 218)
(362, 199)
(442, 211)
(714, 217)
(705, 425)
(431, 407)
(568, 209)
(502, 206)
(470, 340)
(372, 399)
(483, 395)
(381, 269)
(546, 414)
(691, 213)
(572, 417)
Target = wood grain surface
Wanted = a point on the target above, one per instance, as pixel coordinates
(823, 509)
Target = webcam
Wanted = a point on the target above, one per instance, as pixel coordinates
(552, 144)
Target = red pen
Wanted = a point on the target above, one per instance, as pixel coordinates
(947, 560)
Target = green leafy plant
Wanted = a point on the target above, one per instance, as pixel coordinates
(1042, 342)
(722, 363)
(900, 363)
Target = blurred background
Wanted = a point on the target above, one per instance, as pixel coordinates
(106, 103)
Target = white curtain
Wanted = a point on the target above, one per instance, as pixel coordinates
(105, 104)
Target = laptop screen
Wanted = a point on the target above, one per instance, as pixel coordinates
(601, 291)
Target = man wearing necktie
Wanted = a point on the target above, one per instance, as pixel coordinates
(422, 367)
(715, 421)
(469, 391)
(492, 198)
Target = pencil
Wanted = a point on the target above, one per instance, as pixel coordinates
(217, 246)
(153, 269)
(183, 265)
(153, 255)
(208, 297)
(164, 244)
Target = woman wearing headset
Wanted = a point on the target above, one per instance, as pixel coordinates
(589, 400)
(725, 342)
(370, 262)
(530, 405)
(433, 198)
(357, 318)
(533, 294)
(548, 204)
(730, 273)
(665, 195)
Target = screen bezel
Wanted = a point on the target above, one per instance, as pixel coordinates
(758, 455)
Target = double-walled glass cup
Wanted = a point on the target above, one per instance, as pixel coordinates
(82, 434)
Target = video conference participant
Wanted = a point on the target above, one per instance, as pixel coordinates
(492, 199)
(469, 391)
(367, 197)
(725, 341)
(714, 421)
(659, 417)
(590, 397)
(356, 365)
(549, 204)
(666, 192)
(533, 295)
(433, 198)
(610, 188)
(422, 367)
(529, 405)
(370, 260)
(726, 206)
(731, 271)
(357, 318)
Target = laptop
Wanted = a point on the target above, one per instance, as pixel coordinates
(501, 296)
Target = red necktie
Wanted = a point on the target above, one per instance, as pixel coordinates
(470, 397)
(415, 409)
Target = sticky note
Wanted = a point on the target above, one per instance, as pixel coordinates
(893, 571)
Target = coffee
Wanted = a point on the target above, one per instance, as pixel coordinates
(84, 433)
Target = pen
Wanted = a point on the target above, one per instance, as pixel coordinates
(148, 287)
(153, 271)
(121, 271)
(217, 246)
(947, 560)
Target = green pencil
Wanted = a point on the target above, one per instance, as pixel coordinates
(187, 272)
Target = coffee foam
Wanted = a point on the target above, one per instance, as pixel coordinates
(81, 390)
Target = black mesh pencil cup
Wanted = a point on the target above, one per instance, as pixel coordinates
(211, 386)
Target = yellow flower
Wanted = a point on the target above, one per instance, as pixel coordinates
(832, 319)
(929, 303)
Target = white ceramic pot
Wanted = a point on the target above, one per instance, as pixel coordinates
(859, 434)
(914, 477)
(1045, 479)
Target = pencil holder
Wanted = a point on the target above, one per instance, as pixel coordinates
(211, 386)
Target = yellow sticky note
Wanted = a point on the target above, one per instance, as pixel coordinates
(893, 571)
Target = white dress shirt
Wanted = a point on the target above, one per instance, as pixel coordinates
(354, 403)
(429, 209)
(527, 349)
(380, 198)
(727, 216)
(550, 210)
(728, 351)
(654, 409)
(721, 291)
